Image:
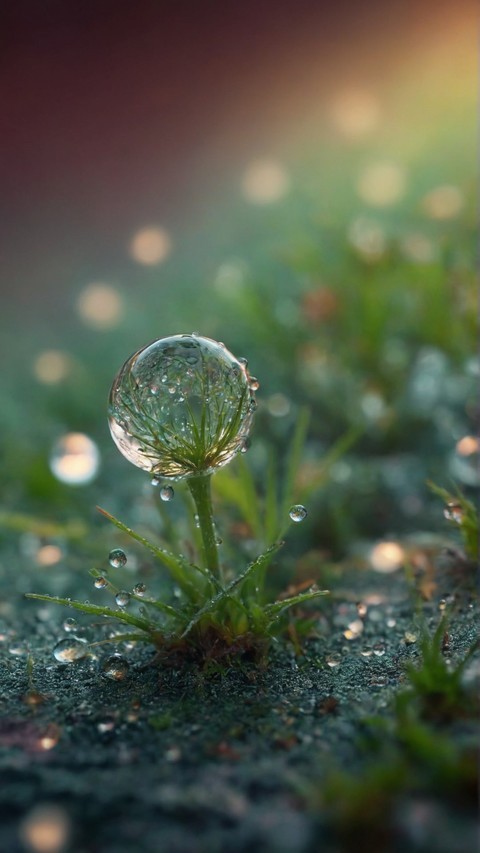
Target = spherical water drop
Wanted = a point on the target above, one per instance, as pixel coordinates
(69, 650)
(454, 512)
(122, 598)
(167, 493)
(140, 589)
(100, 583)
(297, 513)
(253, 383)
(117, 558)
(161, 429)
(115, 667)
(70, 624)
(334, 659)
(155, 481)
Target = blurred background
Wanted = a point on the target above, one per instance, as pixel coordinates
(293, 178)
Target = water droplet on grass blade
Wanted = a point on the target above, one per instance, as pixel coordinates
(122, 598)
(100, 583)
(454, 512)
(70, 624)
(297, 513)
(167, 493)
(117, 558)
(69, 650)
(115, 667)
(140, 589)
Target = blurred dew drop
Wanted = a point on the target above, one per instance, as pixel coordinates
(122, 598)
(52, 366)
(75, 459)
(386, 557)
(265, 181)
(45, 829)
(297, 513)
(443, 203)
(278, 405)
(167, 493)
(150, 246)
(355, 113)
(48, 555)
(100, 306)
(381, 184)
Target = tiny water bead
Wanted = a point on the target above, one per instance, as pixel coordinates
(117, 558)
(115, 667)
(139, 589)
(70, 624)
(297, 513)
(454, 512)
(69, 650)
(181, 406)
(100, 583)
(167, 493)
(122, 598)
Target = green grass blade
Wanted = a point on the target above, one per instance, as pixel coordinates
(293, 461)
(97, 610)
(276, 609)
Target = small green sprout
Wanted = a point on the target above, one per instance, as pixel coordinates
(462, 514)
(181, 408)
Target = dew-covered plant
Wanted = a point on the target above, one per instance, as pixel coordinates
(181, 408)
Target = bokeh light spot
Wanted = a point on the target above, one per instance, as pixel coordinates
(387, 557)
(443, 202)
(150, 246)
(265, 182)
(46, 829)
(75, 459)
(51, 366)
(100, 306)
(381, 184)
(48, 555)
(355, 113)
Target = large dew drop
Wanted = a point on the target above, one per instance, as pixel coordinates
(69, 650)
(117, 558)
(181, 407)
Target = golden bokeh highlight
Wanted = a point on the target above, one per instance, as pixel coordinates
(381, 184)
(468, 445)
(368, 238)
(355, 113)
(75, 459)
(48, 555)
(100, 306)
(443, 203)
(150, 246)
(52, 366)
(46, 829)
(387, 557)
(265, 182)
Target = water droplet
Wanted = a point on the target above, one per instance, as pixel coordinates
(70, 624)
(100, 583)
(442, 605)
(115, 667)
(163, 427)
(243, 361)
(297, 513)
(117, 558)
(253, 383)
(379, 649)
(155, 481)
(334, 659)
(362, 609)
(167, 493)
(140, 589)
(409, 638)
(454, 512)
(69, 650)
(245, 446)
(122, 598)
(218, 540)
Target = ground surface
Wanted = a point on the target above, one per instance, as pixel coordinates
(234, 760)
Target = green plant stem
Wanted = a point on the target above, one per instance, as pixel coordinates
(201, 494)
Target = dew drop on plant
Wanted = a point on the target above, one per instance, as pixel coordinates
(155, 481)
(297, 513)
(453, 512)
(167, 493)
(69, 650)
(117, 558)
(122, 598)
(334, 659)
(206, 393)
(140, 589)
(253, 383)
(70, 624)
(115, 667)
(442, 605)
(100, 583)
